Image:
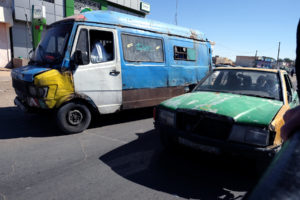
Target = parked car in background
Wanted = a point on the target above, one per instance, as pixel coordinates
(237, 110)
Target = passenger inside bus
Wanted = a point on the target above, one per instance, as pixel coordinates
(101, 46)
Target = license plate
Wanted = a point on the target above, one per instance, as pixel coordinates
(201, 147)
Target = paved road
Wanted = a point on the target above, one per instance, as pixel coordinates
(119, 157)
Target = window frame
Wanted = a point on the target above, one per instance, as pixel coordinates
(190, 60)
(113, 43)
(147, 37)
(116, 42)
(49, 1)
(290, 82)
(289, 87)
(88, 41)
(279, 78)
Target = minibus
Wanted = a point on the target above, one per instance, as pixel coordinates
(101, 62)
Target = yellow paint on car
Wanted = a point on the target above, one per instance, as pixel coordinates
(278, 122)
(60, 86)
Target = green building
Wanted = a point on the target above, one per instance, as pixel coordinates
(132, 7)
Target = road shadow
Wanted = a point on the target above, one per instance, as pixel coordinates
(187, 173)
(122, 117)
(14, 123)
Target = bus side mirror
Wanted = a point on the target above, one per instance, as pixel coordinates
(81, 58)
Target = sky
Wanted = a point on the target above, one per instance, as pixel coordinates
(239, 27)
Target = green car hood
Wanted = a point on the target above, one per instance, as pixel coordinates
(243, 109)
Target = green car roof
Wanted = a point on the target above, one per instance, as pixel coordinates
(243, 109)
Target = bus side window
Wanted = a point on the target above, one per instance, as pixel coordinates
(184, 53)
(102, 46)
(142, 49)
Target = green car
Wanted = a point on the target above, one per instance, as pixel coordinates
(237, 110)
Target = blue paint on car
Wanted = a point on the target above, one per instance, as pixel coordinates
(28, 72)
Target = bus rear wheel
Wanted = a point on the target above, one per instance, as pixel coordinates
(73, 117)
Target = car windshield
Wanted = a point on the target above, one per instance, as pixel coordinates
(51, 49)
(244, 82)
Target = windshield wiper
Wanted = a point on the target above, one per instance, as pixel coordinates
(210, 90)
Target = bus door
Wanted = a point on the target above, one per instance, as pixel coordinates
(99, 74)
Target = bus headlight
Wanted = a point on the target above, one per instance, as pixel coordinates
(32, 91)
(42, 92)
(166, 117)
(249, 135)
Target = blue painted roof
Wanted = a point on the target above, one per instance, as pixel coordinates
(115, 18)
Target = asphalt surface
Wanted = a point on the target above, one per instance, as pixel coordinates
(119, 157)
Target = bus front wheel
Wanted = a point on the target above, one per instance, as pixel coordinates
(73, 117)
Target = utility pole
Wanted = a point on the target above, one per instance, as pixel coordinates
(278, 55)
(255, 58)
(176, 12)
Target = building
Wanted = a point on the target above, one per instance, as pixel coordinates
(6, 22)
(252, 61)
(217, 60)
(245, 61)
(16, 23)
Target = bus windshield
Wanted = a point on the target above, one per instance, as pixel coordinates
(51, 49)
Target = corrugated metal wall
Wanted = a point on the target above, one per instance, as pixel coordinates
(22, 8)
(54, 11)
(133, 4)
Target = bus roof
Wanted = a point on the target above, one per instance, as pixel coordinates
(124, 20)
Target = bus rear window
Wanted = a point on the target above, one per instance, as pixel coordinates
(142, 49)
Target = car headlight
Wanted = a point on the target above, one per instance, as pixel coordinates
(42, 91)
(249, 135)
(166, 117)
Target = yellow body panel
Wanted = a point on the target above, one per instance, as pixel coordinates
(278, 122)
(60, 86)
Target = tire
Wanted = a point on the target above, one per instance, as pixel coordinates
(73, 118)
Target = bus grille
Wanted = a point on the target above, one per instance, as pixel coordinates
(20, 86)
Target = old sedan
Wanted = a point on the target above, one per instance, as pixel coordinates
(237, 110)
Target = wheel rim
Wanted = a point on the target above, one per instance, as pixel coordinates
(75, 117)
